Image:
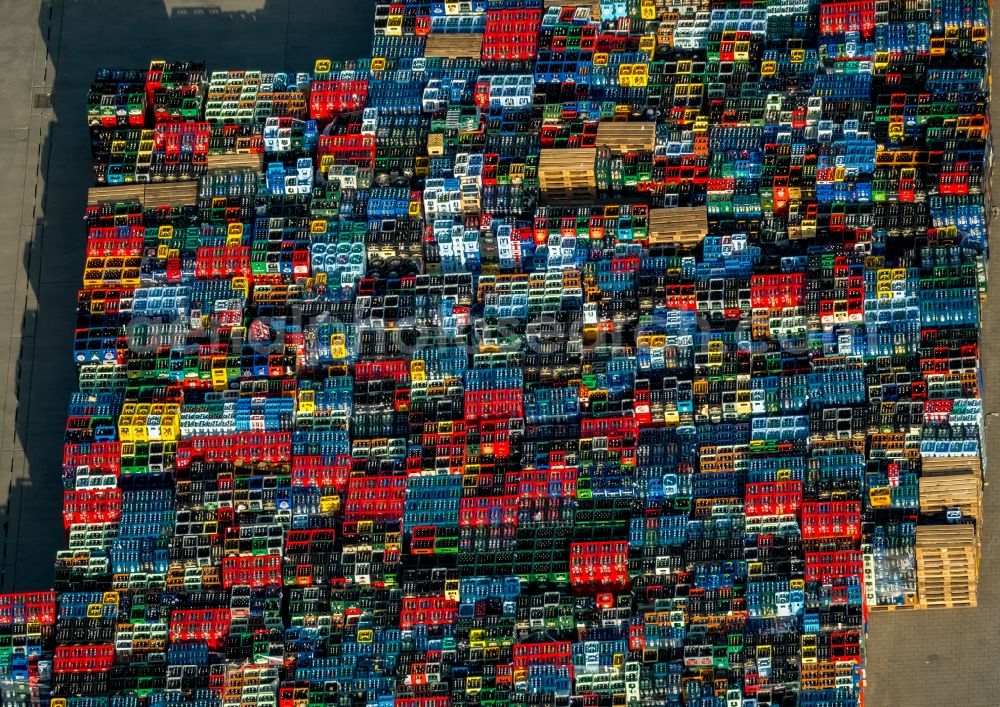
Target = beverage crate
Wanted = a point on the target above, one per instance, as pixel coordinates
(174, 90)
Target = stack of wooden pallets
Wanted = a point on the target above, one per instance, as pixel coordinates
(686, 226)
(162, 194)
(236, 161)
(951, 482)
(947, 566)
(626, 137)
(454, 46)
(568, 176)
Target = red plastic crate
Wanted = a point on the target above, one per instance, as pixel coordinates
(427, 611)
(511, 35)
(246, 447)
(423, 701)
(554, 482)
(396, 369)
(773, 498)
(494, 404)
(841, 17)
(208, 625)
(350, 149)
(84, 659)
(831, 520)
(28, 607)
(777, 291)
(118, 241)
(91, 506)
(601, 565)
(227, 262)
(327, 99)
(479, 511)
(322, 472)
(97, 456)
(550, 653)
(319, 540)
(251, 571)
(845, 647)
(826, 567)
(375, 498)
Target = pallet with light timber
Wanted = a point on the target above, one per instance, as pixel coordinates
(254, 161)
(177, 194)
(173, 194)
(116, 194)
(568, 176)
(683, 226)
(626, 137)
(947, 566)
(885, 608)
(454, 46)
(951, 482)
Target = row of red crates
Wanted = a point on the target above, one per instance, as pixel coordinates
(28, 607)
(511, 35)
(247, 447)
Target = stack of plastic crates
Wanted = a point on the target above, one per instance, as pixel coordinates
(631, 357)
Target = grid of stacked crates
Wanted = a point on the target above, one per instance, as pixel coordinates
(629, 355)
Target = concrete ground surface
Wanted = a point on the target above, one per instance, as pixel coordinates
(49, 52)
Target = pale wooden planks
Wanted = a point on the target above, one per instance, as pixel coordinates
(568, 176)
(947, 566)
(172, 194)
(626, 137)
(685, 226)
(236, 161)
(454, 46)
(952, 482)
(178, 194)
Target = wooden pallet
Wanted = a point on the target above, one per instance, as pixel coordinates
(568, 176)
(124, 192)
(164, 194)
(948, 482)
(885, 608)
(454, 46)
(626, 137)
(947, 566)
(236, 161)
(175, 194)
(685, 226)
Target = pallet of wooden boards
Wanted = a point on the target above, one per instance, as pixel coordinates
(454, 46)
(254, 161)
(683, 226)
(626, 137)
(951, 482)
(947, 566)
(163, 194)
(568, 175)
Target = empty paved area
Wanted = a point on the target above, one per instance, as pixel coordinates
(48, 55)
